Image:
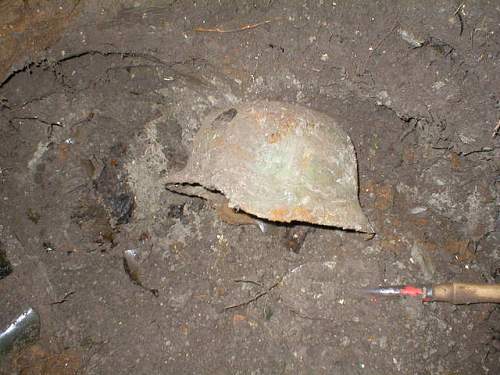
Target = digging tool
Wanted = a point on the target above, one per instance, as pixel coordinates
(455, 293)
(25, 329)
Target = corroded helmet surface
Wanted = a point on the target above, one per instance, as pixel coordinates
(277, 161)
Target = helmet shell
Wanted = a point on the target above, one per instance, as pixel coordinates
(278, 161)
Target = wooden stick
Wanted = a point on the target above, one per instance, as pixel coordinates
(361, 72)
(253, 299)
(495, 131)
(463, 293)
(241, 28)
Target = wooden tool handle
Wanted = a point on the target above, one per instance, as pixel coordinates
(463, 293)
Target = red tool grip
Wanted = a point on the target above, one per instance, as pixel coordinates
(412, 291)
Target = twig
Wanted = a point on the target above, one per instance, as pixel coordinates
(459, 16)
(50, 125)
(484, 149)
(87, 118)
(64, 299)
(495, 131)
(241, 28)
(261, 294)
(249, 282)
(253, 299)
(396, 25)
(413, 127)
(459, 8)
(435, 147)
(34, 118)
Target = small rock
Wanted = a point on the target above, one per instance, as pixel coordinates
(418, 210)
(180, 300)
(383, 99)
(5, 266)
(423, 262)
(409, 38)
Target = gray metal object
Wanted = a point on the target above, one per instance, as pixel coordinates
(277, 161)
(24, 330)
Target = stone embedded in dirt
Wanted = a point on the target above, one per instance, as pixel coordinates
(111, 186)
(5, 266)
(132, 266)
(295, 236)
(276, 161)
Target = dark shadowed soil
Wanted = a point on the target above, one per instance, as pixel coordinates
(98, 104)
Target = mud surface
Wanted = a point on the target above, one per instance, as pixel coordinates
(93, 125)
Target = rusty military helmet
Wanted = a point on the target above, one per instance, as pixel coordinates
(277, 161)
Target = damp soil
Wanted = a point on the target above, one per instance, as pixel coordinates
(100, 103)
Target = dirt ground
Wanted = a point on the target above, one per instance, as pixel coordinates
(99, 103)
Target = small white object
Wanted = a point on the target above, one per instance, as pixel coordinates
(439, 182)
(437, 85)
(418, 210)
(263, 226)
(409, 38)
(464, 139)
